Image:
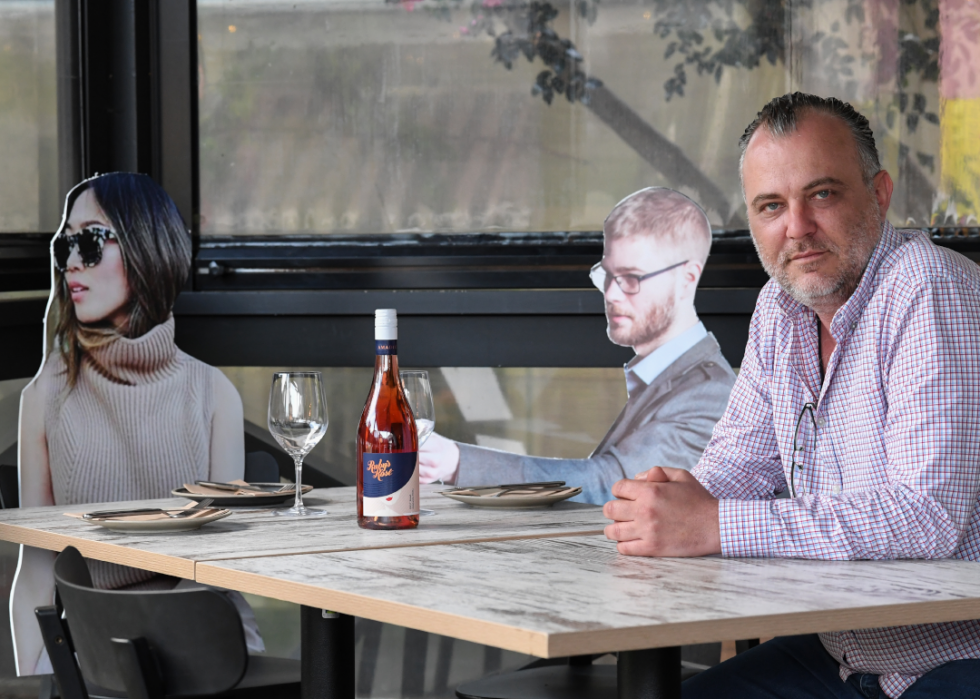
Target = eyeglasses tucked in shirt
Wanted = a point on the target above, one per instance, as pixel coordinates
(800, 445)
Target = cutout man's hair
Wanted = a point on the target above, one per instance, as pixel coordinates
(665, 215)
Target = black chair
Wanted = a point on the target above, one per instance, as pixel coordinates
(261, 467)
(9, 489)
(152, 645)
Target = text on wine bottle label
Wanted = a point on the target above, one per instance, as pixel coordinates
(390, 484)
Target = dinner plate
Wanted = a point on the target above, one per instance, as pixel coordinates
(160, 526)
(247, 500)
(512, 502)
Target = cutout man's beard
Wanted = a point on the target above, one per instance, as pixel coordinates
(643, 330)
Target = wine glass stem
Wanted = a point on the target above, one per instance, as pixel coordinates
(298, 460)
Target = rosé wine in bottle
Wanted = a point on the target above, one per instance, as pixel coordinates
(387, 441)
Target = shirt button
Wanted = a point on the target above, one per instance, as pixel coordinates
(709, 364)
(853, 325)
(821, 422)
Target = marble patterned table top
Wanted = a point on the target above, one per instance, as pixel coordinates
(260, 533)
(577, 595)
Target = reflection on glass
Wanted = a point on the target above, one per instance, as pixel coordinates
(442, 123)
(29, 196)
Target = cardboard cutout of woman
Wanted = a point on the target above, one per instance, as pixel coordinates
(117, 411)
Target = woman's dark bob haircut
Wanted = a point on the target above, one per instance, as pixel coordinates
(156, 253)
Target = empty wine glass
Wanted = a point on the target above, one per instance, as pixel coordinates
(297, 420)
(417, 389)
(419, 394)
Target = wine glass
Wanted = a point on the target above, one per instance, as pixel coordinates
(419, 394)
(297, 420)
(418, 391)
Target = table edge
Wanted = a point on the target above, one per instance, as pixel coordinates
(591, 641)
(98, 550)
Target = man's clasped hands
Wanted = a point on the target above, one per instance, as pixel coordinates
(663, 512)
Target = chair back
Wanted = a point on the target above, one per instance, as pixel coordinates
(9, 488)
(195, 636)
(261, 467)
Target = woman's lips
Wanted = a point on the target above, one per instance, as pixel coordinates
(77, 291)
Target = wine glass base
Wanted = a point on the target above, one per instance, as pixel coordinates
(305, 512)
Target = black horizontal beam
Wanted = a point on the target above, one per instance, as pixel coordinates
(530, 328)
(22, 324)
(432, 303)
(25, 261)
(549, 260)
(425, 341)
(553, 328)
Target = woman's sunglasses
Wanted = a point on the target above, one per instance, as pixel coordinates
(89, 242)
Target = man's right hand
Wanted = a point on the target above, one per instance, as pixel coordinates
(438, 460)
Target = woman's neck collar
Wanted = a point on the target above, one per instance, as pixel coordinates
(138, 360)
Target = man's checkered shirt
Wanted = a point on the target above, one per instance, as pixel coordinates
(891, 462)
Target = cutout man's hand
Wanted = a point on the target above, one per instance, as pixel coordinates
(438, 460)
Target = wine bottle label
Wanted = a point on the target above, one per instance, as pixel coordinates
(391, 484)
(386, 347)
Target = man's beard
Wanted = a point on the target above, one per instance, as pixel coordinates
(643, 330)
(834, 290)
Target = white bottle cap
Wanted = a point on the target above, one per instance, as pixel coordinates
(385, 324)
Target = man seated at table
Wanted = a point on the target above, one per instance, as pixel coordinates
(859, 392)
(656, 242)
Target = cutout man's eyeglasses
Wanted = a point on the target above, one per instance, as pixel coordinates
(629, 283)
(89, 242)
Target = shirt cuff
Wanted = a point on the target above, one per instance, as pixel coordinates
(746, 528)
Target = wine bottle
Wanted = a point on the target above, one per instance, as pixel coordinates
(387, 441)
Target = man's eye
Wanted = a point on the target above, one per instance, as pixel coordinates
(771, 206)
(822, 194)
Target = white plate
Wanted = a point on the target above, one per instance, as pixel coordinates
(159, 526)
(512, 502)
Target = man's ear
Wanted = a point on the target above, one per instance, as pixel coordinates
(883, 188)
(691, 275)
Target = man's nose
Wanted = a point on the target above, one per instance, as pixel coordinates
(800, 221)
(613, 293)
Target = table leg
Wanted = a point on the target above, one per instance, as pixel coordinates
(649, 674)
(327, 654)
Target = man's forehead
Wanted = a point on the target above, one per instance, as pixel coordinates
(819, 140)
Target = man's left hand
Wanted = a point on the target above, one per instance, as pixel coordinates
(664, 512)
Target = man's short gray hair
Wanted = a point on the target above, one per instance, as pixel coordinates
(664, 214)
(782, 115)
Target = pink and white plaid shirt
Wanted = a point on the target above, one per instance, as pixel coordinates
(891, 461)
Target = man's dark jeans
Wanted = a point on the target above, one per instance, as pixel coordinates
(798, 667)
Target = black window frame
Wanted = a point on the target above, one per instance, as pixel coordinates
(473, 299)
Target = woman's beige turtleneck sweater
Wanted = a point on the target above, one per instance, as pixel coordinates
(136, 425)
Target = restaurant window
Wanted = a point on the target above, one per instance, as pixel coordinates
(540, 411)
(386, 116)
(28, 118)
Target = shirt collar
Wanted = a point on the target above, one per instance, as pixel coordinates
(641, 371)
